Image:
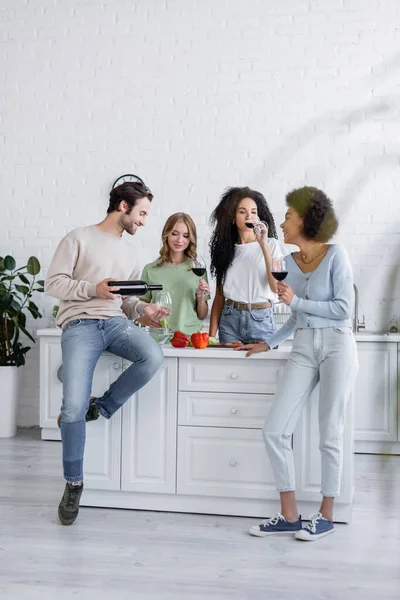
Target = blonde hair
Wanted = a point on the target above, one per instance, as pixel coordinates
(191, 250)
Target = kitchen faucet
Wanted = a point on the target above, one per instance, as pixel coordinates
(357, 324)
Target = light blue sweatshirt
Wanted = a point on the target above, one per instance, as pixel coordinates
(323, 298)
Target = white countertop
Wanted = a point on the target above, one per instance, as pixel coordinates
(360, 337)
(283, 352)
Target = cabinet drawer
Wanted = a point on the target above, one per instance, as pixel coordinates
(223, 462)
(224, 375)
(223, 410)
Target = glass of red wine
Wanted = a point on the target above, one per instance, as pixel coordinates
(199, 268)
(279, 271)
(257, 226)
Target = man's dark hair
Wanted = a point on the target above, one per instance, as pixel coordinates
(130, 192)
(319, 219)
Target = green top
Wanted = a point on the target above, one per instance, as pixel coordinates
(181, 283)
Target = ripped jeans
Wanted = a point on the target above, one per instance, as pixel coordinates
(82, 342)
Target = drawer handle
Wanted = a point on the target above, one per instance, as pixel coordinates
(117, 366)
(233, 463)
(234, 376)
(59, 373)
(234, 411)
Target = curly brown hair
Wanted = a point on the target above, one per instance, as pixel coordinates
(316, 209)
(225, 234)
(191, 250)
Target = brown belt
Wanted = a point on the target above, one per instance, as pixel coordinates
(244, 306)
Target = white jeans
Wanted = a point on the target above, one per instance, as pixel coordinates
(327, 356)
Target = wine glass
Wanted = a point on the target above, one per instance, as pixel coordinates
(198, 267)
(256, 225)
(259, 229)
(163, 301)
(279, 271)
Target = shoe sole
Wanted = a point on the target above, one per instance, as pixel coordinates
(63, 522)
(262, 534)
(312, 538)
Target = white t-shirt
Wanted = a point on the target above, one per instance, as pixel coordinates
(247, 279)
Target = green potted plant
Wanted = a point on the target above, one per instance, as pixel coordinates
(16, 290)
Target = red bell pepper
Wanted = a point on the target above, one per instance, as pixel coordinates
(199, 340)
(179, 340)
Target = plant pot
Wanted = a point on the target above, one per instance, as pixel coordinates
(10, 386)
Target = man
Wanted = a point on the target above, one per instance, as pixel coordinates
(94, 320)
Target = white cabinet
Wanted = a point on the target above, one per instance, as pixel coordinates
(224, 375)
(50, 387)
(224, 462)
(102, 462)
(376, 403)
(149, 434)
(191, 439)
(223, 410)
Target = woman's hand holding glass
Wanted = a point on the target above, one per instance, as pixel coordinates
(261, 231)
(285, 293)
(198, 267)
(203, 289)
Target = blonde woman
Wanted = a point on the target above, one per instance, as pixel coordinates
(173, 270)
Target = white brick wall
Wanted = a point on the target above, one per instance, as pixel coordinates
(195, 96)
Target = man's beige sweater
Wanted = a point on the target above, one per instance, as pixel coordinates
(83, 258)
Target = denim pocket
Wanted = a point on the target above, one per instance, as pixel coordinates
(70, 324)
(227, 309)
(343, 330)
(261, 314)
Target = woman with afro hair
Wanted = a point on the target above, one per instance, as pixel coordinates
(242, 260)
(319, 290)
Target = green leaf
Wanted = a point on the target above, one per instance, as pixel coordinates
(33, 266)
(24, 279)
(1, 264)
(33, 309)
(6, 300)
(9, 263)
(23, 289)
(35, 314)
(26, 333)
(21, 319)
(39, 289)
(40, 282)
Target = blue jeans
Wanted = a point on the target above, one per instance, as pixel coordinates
(82, 342)
(245, 325)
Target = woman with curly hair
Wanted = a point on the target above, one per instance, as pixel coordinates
(242, 261)
(172, 270)
(319, 290)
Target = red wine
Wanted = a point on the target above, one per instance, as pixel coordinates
(199, 271)
(279, 275)
(250, 225)
(133, 288)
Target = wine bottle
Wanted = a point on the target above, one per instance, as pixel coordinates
(133, 288)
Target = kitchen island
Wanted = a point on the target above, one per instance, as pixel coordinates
(191, 439)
